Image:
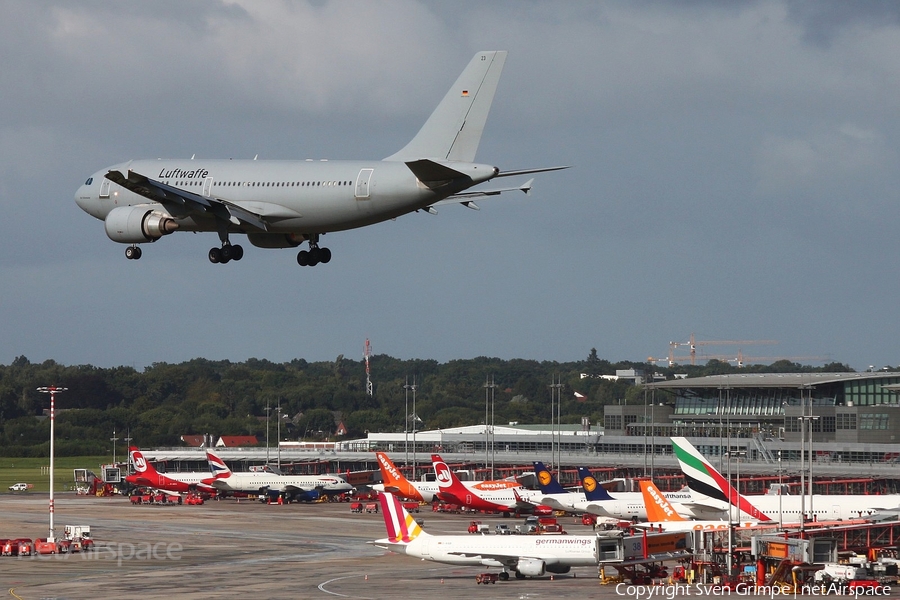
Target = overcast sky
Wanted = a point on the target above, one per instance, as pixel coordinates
(735, 175)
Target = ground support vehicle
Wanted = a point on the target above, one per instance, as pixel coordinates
(486, 578)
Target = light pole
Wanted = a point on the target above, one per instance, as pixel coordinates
(406, 420)
(278, 430)
(732, 499)
(267, 431)
(489, 425)
(556, 386)
(53, 391)
(114, 439)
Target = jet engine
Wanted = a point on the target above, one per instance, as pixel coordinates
(530, 567)
(275, 240)
(558, 568)
(137, 224)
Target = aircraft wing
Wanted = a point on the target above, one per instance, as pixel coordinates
(186, 202)
(504, 560)
(296, 488)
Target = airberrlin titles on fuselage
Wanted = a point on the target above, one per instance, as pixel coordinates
(283, 203)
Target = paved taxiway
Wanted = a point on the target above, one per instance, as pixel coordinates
(228, 549)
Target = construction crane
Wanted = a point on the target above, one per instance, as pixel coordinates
(693, 343)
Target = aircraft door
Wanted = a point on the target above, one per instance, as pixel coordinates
(207, 186)
(362, 184)
(104, 188)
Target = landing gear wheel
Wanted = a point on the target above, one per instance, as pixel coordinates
(303, 258)
(132, 253)
(324, 255)
(519, 575)
(215, 255)
(227, 253)
(237, 252)
(504, 576)
(314, 257)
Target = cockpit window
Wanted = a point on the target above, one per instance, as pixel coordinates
(89, 181)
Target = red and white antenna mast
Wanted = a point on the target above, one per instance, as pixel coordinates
(366, 355)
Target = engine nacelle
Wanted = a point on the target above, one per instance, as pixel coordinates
(530, 567)
(275, 240)
(558, 569)
(136, 224)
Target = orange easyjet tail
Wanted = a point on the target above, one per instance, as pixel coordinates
(659, 510)
(394, 481)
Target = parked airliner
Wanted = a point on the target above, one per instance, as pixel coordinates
(281, 204)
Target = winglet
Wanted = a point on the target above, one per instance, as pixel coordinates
(401, 527)
(658, 507)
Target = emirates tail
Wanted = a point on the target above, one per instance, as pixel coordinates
(659, 510)
(401, 527)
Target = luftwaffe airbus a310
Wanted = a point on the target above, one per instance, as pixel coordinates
(281, 203)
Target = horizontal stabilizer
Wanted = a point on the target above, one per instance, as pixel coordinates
(527, 171)
(431, 173)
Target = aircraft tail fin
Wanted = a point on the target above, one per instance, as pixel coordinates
(593, 491)
(658, 507)
(546, 481)
(141, 466)
(401, 527)
(454, 129)
(705, 481)
(393, 480)
(446, 479)
(218, 467)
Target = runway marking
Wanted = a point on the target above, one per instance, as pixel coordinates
(324, 583)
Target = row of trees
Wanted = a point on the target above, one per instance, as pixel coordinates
(158, 405)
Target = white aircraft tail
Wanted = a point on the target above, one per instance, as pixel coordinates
(454, 129)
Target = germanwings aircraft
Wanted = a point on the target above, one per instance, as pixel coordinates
(710, 487)
(146, 476)
(281, 204)
(290, 487)
(524, 555)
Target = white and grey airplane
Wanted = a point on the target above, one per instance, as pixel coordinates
(283, 203)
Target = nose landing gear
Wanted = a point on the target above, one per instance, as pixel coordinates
(133, 252)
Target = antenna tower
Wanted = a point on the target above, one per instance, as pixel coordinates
(369, 392)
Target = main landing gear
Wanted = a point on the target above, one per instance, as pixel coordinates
(133, 252)
(315, 255)
(226, 253)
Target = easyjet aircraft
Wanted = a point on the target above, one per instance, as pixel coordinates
(393, 481)
(283, 203)
(147, 476)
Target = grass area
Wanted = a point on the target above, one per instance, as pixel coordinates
(36, 471)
